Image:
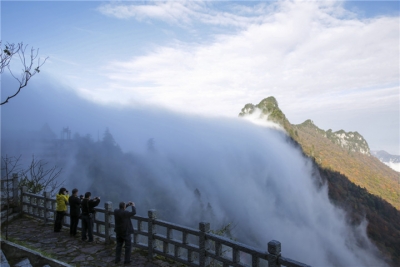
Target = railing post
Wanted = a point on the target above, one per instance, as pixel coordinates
(236, 255)
(45, 205)
(15, 188)
(255, 261)
(108, 220)
(23, 190)
(151, 231)
(204, 244)
(31, 209)
(274, 250)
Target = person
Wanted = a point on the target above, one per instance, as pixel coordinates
(61, 209)
(124, 229)
(88, 212)
(74, 211)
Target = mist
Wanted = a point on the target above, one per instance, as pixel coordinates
(192, 169)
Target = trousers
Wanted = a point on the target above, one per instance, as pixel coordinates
(74, 225)
(87, 227)
(58, 221)
(121, 239)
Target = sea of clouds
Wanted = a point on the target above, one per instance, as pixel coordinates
(250, 175)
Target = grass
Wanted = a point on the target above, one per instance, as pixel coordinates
(24, 244)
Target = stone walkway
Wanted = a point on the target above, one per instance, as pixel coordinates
(62, 247)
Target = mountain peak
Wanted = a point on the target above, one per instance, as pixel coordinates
(269, 106)
(308, 123)
(268, 103)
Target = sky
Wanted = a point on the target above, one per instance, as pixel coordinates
(334, 62)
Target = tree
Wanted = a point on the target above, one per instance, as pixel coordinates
(38, 178)
(8, 167)
(29, 66)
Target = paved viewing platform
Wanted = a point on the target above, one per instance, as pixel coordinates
(72, 250)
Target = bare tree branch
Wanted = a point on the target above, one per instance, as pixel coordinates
(9, 166)
(7, 53)
(29, 68)
(38, 178)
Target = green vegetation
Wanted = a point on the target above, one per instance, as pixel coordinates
(383, 219)
(361, 168)
(24, 244)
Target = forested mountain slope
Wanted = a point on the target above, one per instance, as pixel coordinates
(359, 183)
(343, 152)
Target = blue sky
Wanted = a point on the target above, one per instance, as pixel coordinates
(334, 62)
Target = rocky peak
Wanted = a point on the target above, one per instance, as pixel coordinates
(352, 141)
(269, 106)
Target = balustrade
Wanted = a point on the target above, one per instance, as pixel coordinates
(192, 247)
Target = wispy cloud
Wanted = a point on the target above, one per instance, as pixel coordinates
(300, 50)
(170, 11)
(184, 13)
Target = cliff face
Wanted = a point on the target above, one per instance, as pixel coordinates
(351, 141)
(344, 152)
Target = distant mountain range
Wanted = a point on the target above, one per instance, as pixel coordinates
(347, 153)
(385, 157)
(393, 161)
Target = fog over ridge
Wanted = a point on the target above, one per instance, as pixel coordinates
(193, 168)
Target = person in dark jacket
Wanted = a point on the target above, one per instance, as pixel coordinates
(74, 211)
(88, 214)
(124, 230)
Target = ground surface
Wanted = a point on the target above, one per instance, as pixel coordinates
(62, 247)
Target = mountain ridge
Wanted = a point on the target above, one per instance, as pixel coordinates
(345, 152)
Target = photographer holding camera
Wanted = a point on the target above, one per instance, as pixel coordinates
(124, 230)
(62, 201)
(87, 217)
(74, 211)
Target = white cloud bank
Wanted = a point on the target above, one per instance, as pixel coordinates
(395, 166)
(293, 50)
(250, 175)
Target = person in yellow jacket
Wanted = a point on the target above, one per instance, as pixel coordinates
(62, 202)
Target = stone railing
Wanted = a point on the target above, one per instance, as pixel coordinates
(192, 247)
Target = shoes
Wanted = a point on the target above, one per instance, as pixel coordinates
(127, 262)
(118, 261)
(90, 240)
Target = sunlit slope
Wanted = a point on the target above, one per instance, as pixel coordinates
(344, 152)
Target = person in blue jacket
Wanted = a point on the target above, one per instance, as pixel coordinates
(124, 230)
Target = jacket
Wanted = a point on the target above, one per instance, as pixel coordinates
(74, 205)
(123, 223)
(87, 205)
(62, 201)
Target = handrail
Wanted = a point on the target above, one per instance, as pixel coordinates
(192, 247)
